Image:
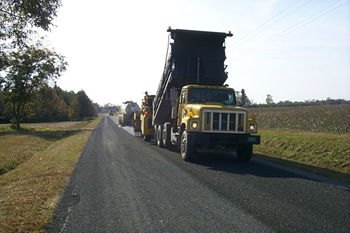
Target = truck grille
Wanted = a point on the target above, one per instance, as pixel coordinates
(223, 122)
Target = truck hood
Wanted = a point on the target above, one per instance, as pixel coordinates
(198, 108)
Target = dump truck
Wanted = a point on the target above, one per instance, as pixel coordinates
(193, 108)
(143, 118)
(127, 111)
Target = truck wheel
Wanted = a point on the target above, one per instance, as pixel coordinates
(166, 135)
(187, 151)
(245, 152)
(159, 136)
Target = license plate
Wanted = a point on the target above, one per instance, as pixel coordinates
(251, 139)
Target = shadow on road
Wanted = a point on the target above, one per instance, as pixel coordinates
(270, 167)
(266, 166)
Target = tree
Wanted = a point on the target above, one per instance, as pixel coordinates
(243, 99)
(26, 71)
(74, 110)
(2, 104)
(96, 108)
(87, 108)
(46, 106)
(269, 100)
(26, 66)
(19, 17)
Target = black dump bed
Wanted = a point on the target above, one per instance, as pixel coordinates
(195, 57)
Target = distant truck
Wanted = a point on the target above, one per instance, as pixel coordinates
(143, 119)
(127, 111)
(192, 108)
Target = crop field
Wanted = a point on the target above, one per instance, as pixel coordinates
(313, 138)
(322, 118)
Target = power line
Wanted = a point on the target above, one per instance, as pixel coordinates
(273, 38)
(267, 21)
(287, 31)
(238, 44)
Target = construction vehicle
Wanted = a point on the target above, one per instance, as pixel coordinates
(192, 108)
(127, 111)
(143, 119)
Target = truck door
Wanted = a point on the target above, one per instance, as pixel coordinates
(181, 112)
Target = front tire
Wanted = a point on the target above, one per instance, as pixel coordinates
(245, 152)
(187, 150)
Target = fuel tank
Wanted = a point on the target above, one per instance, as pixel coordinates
(129, 107)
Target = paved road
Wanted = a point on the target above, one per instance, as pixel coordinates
(124, 184)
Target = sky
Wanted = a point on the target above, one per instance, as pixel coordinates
(294, 50)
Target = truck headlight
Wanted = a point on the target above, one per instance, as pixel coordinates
(195, 125)
(252, 127)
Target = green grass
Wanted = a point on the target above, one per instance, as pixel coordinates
(30, 191)
(321, 153)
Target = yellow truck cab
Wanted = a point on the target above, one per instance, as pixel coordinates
(209, 118)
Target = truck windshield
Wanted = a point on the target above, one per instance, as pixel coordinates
(202, 95)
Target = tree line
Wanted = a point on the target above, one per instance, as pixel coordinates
(50, 104)
(243, 100)
(27, 66)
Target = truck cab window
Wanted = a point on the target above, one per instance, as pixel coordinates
(183, 97)
(203, 95)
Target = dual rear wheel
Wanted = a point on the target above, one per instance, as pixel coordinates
(162, 135)
(159, 133)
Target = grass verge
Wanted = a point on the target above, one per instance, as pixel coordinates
(17, 147)
(325, 154)
(30, 191)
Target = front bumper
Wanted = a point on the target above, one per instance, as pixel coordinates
(222, 139)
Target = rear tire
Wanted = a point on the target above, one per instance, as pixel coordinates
(187, 150)
(245, 152)
(166, 135)
(159, 136)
